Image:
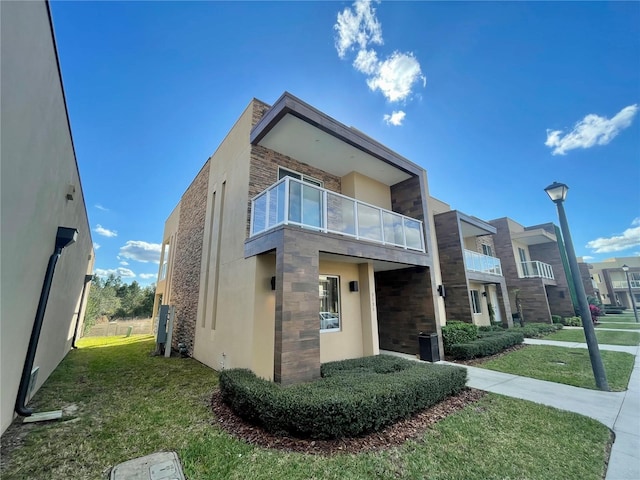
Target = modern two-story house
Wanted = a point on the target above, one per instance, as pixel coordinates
(534, 269)
(300, 241)
(473, 285)
(611, 281)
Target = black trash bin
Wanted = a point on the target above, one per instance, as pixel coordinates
(516, 319)
(429, 350)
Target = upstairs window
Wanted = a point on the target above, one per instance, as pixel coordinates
(284, 172)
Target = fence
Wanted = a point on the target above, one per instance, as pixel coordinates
(121, 327)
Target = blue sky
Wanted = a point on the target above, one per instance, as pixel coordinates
(495, 100)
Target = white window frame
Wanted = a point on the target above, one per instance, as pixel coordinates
(487, 248)
(338, 313)
(476, 304)
(283, 172)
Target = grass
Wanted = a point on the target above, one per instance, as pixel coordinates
(570, 366)
(604, 337)
(131, 404)
(622, 317)
(616, 326)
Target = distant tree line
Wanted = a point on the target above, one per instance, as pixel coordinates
(112, 298)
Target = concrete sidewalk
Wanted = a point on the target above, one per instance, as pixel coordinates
(619, 411)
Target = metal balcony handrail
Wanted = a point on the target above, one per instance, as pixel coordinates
(537, 269)
(479, 262)
(293, 202)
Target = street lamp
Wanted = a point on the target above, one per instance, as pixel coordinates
(625, 269)
(558, 192)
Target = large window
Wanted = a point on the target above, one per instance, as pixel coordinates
(486, 250)
(329, 303)
(284, 172)
(165, 261)
(475, 301)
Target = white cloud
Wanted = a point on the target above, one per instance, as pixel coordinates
(630, 238)
(591, 130)
(96, 246)
(366, 61)
(105, 232)
(357, 27)
(358, 30)
(100, 207)
(587, 258)
(395, 118)
(141, 251)
(118, 272)
(147, 276)
(396, 76)
(123, 263)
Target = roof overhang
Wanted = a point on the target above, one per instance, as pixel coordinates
(534, 237)
(297, 130)
(474, 227)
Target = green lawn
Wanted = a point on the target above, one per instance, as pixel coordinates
(625, 326)
(604, 337)
(622, 317)
(570, 366)
(131, 404)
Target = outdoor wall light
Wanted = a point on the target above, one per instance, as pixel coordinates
(441, 291)
(273, 283)
(353, 286)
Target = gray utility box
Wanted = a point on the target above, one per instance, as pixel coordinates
(429, 350)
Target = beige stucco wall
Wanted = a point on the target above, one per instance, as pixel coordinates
(366, 189)
(435, 206)
(264, 316)
(483, 318)
(169, 236)
(347, 342)
(38, 165)
(225, 322)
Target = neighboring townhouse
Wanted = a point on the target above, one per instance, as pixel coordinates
(301, 241)
(611, 281)
(589, 284)
(533, 265)
(40, 192)
(473, 285)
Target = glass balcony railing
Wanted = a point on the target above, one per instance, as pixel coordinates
(292, 202)
(536, 269)
(477, 262)
(623, 283)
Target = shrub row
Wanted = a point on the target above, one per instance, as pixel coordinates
(556, 319)
(354, 398)
(489, 344)
(455, 332)
(531, 330)
(572, 321)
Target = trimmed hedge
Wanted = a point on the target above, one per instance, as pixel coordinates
(572, 321)
(455, 332)
(355, 397)
(490, 343)
(531, 330)
(556, 319)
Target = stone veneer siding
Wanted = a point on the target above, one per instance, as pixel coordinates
(558, 295)
(585, 276)
(263, 173)
(188, 257)
(533, 296)
(405, 308)
(452, 268)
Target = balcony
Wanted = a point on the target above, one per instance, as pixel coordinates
(477, 262)
(292, 202)
(536, 269)
(623, 283)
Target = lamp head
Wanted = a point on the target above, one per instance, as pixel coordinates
(557, 192)
(65, 237)
(625, 268)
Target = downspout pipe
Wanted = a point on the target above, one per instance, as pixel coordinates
(64, 237)
(87, 280)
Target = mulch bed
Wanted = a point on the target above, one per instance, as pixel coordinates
(393, 435)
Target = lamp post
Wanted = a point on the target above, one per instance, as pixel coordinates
(558, 192)
(625, 269)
